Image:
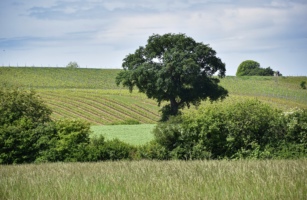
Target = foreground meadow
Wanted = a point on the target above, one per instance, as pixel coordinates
(248, 179)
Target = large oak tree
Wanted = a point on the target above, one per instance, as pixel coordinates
(176, 69)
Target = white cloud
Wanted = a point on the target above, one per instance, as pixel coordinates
(98, 32)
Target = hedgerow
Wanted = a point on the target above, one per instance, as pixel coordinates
(248, 129)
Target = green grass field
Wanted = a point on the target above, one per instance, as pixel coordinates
(248, 179)
(131, 134)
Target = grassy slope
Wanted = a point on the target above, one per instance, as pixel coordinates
(92, 95)
(274, 179)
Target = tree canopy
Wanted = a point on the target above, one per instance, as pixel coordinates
(176, 69)
(252, 68)
(72, 65)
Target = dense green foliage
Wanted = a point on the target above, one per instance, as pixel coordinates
(100, 150)
(68, 143)
(248, 129)
(176, 69)
(27, 134)
(23, 125)
(252, 68)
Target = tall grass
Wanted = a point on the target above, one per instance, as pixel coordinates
(273, 179)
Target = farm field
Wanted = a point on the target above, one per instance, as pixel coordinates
(245, 179)
(92, 95)
(132, 134)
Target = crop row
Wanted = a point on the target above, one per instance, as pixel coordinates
(86, 111)
(71, 110)
(99, 109)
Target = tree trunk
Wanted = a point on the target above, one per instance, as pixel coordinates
(174, 107)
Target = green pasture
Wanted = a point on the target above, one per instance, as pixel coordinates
(132, 134)
(244, 179)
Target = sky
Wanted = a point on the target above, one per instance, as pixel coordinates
(100, 33)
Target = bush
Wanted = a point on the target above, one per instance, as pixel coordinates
(27, 134)
(181, 144)
(17, 104)
(252, 125)
(240, 130)
(296, 127)
(70, 142)
(95, 149)
(153, 151)
(118, 150)
(115, 149)
(25, 125)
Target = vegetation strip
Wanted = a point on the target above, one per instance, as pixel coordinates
(250, 179)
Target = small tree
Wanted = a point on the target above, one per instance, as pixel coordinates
(252, 68)
(174, 68)
(72, 65)
(247, 68)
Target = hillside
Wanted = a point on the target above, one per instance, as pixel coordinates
(92, 95)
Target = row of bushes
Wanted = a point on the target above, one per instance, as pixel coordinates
(248, 129)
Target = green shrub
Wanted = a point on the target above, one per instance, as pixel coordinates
(70, 143)
(153, 151)
(100, 150)
(240, 130)
(95, 149)
(24, 125)
(252, 125)
(118, 150)
(20, 106)
(179, 141)
(296, 127)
